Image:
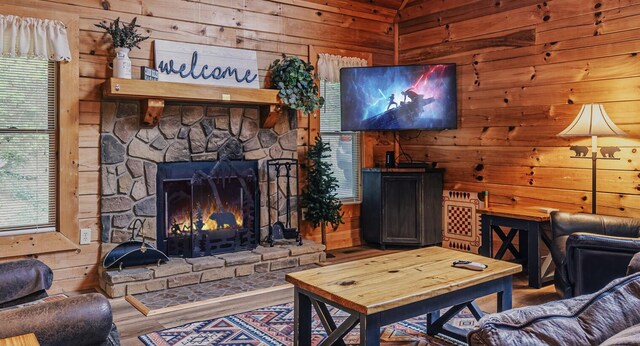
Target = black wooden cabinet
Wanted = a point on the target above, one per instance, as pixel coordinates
(401, 206)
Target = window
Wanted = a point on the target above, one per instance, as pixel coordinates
(345, 146)
(43, 173)
(27, 145)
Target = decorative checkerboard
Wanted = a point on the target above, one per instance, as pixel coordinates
(461, 223)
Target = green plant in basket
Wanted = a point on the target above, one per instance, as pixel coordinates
(294, 78)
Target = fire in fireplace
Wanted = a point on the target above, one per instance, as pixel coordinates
(206, 208)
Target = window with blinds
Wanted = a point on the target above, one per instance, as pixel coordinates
(345, 146)
(27, 145)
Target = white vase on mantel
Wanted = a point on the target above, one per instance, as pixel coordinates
(122, 64)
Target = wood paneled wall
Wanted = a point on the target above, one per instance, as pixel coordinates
(270, 27)
(524, 69)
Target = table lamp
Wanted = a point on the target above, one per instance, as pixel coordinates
(593, 120)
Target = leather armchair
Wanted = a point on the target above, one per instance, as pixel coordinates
(79, 320)
(590, 251)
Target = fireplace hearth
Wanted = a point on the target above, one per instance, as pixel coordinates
(207, 208)
(192, 134)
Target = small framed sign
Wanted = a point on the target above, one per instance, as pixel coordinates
(201, 64)
(147, 73)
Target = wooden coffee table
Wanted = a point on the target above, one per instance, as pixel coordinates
(386, 289)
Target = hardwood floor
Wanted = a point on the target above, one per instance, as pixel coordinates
(132, 323)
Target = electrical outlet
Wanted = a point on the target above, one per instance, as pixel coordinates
(85, 236)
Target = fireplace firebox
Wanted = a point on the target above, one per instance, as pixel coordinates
(207, 208)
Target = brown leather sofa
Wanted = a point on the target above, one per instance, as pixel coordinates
(79, 320)
(608, 317)
(591, 250)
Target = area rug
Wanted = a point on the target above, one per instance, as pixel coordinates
(273, 326)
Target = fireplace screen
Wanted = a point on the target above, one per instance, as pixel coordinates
(206, 208)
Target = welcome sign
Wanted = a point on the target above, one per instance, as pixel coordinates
(210, 65)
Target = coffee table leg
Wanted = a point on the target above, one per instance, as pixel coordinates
(505, 296)
(369, 330)
(432, 317)
(302, 319)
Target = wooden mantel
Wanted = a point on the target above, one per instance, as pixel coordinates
(153, 94)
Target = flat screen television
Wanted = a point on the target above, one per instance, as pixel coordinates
(410, 97)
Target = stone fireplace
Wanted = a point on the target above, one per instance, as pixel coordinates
(195, 152)
(131, 155)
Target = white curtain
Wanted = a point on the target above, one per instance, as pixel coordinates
(33, 38)
(329, 66)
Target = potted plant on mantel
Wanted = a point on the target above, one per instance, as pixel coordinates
(319, 195)
(124, 38)
(294, 78)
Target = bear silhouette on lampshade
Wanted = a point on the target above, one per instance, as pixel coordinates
(593, 121)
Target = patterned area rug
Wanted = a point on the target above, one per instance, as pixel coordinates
(273, 326)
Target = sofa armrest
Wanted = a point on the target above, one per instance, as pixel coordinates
(80, 320)
(594, 260)
(23, 281)
(603, 243)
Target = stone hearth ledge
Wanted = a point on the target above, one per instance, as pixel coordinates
(182, 272)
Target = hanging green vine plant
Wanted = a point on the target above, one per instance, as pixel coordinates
(294, 78)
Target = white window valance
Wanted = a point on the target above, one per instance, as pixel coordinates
(34, 38)
(329, 66)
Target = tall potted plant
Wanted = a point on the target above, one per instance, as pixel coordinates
(319, 195)
(124, 38)
(294, 78)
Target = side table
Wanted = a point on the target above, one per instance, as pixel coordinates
(526, 223)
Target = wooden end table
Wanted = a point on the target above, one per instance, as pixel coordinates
(527, 223)
(386, 289)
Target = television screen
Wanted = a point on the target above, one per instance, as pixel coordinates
(398, 97)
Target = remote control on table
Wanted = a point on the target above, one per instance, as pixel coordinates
(470, 265)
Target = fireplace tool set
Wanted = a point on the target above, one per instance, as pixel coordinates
(282, 171)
